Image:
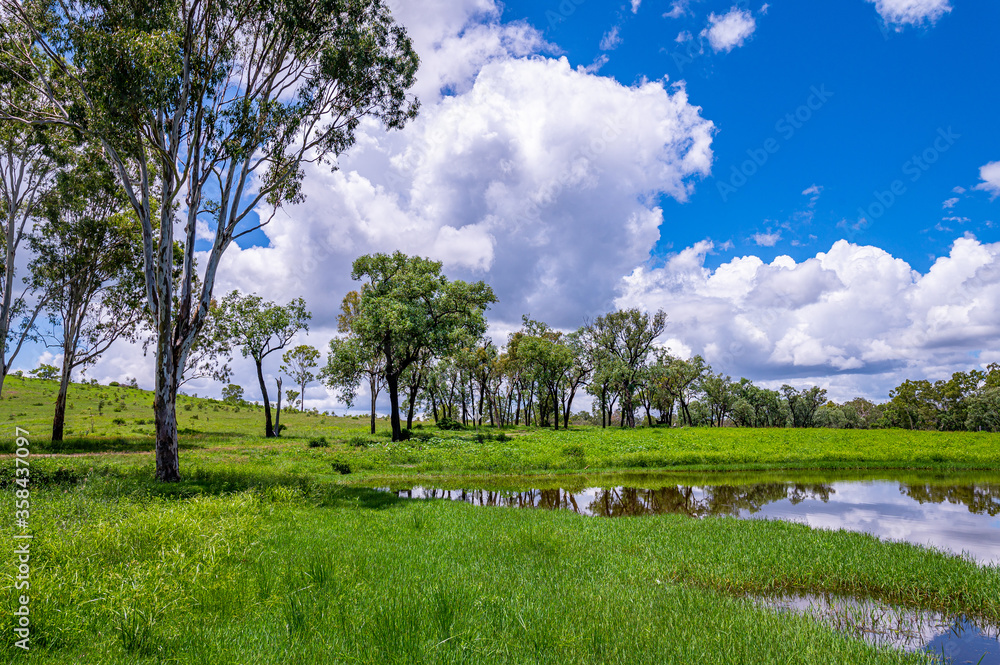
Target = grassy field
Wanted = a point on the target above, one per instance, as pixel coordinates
(215, 434)
(254, 570)
(265, 554)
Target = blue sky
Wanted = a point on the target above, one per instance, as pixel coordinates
(892, 91)
(807, 194)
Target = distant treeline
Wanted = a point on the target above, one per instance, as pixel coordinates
(394, 340)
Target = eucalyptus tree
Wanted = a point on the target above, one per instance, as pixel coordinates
(299, 363)
(984, 411)
(758, 407)
(27, 168)
(208, 110)
(233, 394)
(661, 389)
(353, 360)
(548, 360)
(85, 258)
(720, 396)
(581, 345)
(442, 388)
(506, 387)
(686, 380)
(625, 338)
(804, 403)
(520, 375)
(350, 363)
(408, 308)
(261, 328)
(413, 380)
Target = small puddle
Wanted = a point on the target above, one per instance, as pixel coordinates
(958, 517)
(953, 639)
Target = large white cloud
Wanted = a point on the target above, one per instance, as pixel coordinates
(539, 178)
(899, 13)
(854, 319)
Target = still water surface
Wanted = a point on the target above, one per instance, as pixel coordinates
(952, 639)
(961, 516)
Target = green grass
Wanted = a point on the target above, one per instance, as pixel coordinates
(111, 416)
(126, 571)
(265, 554)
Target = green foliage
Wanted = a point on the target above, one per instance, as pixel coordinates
(45, 372)
(216, 104)
(232, 394)
(984, 411)
(623, 340)
(449, 424)
(298, 363)
(408, 309)
(803, 404)
(260, 328)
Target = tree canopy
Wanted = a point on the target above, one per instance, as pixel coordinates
(261, 328)
(407, 307)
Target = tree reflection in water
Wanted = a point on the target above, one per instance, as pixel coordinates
(701, 501)
(627, 501)
(981, 498)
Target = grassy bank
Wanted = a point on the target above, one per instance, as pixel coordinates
(254, 569)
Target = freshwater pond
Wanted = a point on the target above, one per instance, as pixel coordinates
(957, 512)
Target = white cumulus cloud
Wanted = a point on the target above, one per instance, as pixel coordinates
(854, 319)
(728, 31)
(990, 176)
(900, 13)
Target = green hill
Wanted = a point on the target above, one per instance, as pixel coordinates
(119, 418)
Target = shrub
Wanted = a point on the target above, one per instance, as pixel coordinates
(359, 441)
(342, 467)
(118, 421)
(449, 424)
(318, 442)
